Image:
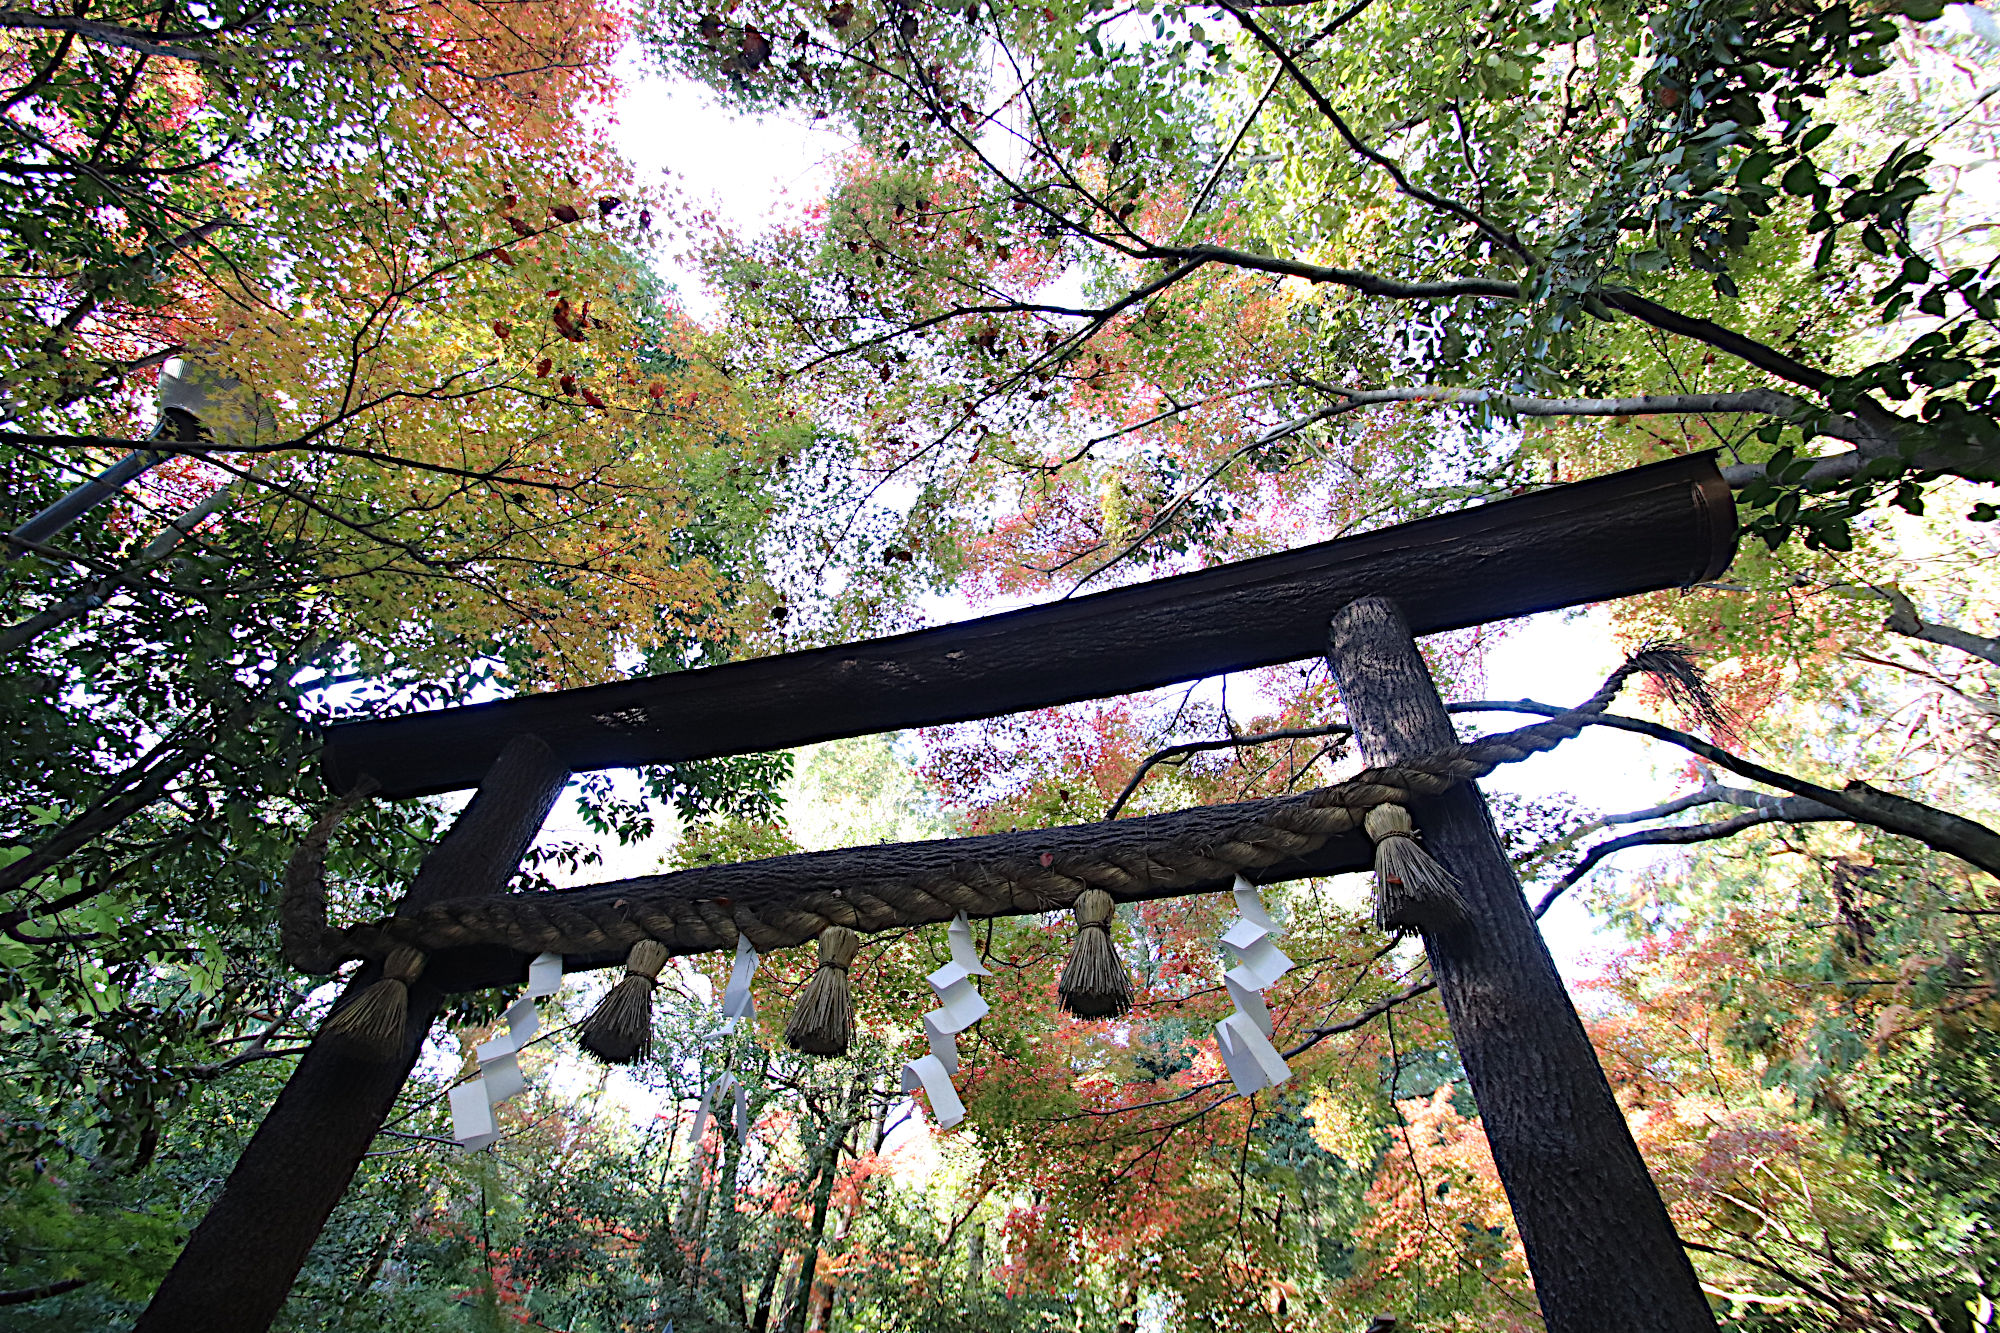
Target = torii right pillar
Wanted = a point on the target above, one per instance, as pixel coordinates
(1601, 1248)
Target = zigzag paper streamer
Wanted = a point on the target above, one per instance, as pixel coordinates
(1244, 1037)
(474, 1101)
(737, 1005)
(960, 1006)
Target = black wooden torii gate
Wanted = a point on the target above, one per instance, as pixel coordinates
(1601, 1248)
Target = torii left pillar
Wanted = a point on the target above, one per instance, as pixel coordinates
(240, 1263)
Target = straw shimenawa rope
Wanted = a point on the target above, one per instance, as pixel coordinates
(1412, 891)
(309, 944)
(370, 1027)
(1252, 835)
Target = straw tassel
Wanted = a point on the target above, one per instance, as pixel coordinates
(1412, 891)
(1094, 981)
(822, 1021)
(371, 1027)
(620, 1029)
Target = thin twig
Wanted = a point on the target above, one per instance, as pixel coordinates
(1195, 747)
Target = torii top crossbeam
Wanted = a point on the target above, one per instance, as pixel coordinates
(1667, 525)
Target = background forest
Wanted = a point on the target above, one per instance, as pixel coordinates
(416, 389)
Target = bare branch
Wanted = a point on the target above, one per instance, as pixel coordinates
(1903, 619)
(1785, 810)
(1939, 829)
(1366, 1016)
(1196, 747)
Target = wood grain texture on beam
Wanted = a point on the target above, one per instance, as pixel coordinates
(1666, 525)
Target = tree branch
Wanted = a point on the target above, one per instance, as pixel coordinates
(1368, 284)
(1785, 810)
(1941, 830)
(1195, 747)
(1652, 313)
(107, 34)
(1763, 402)
(1903, 619)
(24, 1295)
(1492, 230)
(1765, 358)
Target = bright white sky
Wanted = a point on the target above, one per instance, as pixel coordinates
(751, 172)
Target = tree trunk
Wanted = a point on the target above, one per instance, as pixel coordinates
(1602, 1250)
(240, 1263)
(767, 1290)
(820, 1298)
(837, 1131)
(729, 1232)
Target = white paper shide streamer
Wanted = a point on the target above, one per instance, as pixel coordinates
(1245, 1036)
(474, 1102)
(736, 1006)
(959, 1007)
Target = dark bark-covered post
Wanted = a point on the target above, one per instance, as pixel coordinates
(1600, 1245)
(240, 1263)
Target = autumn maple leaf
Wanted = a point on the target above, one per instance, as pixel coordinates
(564, 318)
